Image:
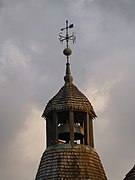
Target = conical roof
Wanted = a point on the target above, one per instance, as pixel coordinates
(77, 162)
(69, 97)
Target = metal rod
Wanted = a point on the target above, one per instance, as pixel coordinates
(67, 39)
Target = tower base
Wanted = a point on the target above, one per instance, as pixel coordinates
(77, 162)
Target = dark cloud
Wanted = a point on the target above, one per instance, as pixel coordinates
(32, 68)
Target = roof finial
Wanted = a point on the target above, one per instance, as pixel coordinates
(67, 51)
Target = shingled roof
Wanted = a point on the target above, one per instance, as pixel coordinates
(131, 174)
(69, 97)
(63, 161)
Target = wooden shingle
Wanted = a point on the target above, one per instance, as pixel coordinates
(69, 97)
(64, 162)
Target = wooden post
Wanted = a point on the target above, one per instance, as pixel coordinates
(55, 128)
(81, 141)
(91, 133)
(86, 129)
(49, 131)
(71, 126)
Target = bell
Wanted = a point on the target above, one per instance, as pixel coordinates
(64, 132)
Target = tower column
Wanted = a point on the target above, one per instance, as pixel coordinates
(71, 126)
(55, 128)
(86, 129)
(49, 131)
(91, 133)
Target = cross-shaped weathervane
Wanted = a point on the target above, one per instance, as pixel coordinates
(67, 37)
(67, 51)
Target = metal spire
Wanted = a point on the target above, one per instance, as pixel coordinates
(67, 51)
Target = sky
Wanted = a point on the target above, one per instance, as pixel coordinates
(32, 68)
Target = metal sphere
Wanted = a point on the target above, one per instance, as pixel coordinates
(67, 52)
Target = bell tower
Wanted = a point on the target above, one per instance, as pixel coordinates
(69, 115)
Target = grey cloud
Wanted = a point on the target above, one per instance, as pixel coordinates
(104, 52)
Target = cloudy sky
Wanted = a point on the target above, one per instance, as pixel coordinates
(32, 68)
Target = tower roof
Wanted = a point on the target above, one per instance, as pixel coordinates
(64, 161)
(69, 97)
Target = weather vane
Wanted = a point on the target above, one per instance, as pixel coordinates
(67, 51)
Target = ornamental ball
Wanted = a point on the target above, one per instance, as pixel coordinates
(67, 52)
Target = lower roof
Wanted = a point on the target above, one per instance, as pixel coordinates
(64, 161)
